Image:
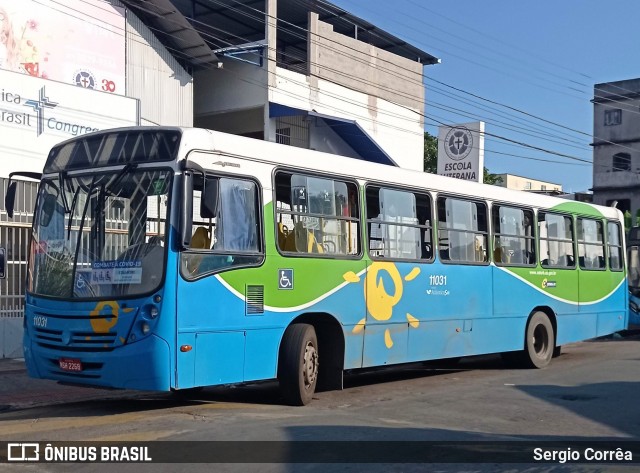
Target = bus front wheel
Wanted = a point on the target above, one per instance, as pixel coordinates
(540, 341)
(298, 364)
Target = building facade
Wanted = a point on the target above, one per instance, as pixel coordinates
(616, 144)
(511, 181)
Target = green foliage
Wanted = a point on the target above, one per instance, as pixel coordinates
(430, 153)
(492, 179)
(430, 161)
(627, 220)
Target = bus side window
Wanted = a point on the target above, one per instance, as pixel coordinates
(399, 224)
(462, 230)
(316, 215)
(513, 237)
(225, 229)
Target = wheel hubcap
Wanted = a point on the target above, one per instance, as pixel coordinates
(310, 367)
(540, 341)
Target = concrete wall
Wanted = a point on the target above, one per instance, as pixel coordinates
(235, 86)
(238, 122)
(363, 67)
(613, 138)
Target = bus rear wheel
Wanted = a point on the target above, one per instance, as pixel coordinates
(298, 364)
(540, 341)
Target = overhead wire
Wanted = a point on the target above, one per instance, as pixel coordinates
(514, 141)
(495, 135)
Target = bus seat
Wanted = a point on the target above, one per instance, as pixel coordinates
(290, 242)
(201, 239)
(313, 245)
(283, 232)
(304, 239)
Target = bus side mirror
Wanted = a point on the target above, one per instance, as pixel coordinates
(10, 198)
(186, 209)
(209, 201)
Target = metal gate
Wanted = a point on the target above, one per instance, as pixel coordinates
(14, 238)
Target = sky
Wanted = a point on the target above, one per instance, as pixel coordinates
(542, 58)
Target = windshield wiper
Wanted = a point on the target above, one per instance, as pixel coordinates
(107, 189)
(79, 237)
(73, 207)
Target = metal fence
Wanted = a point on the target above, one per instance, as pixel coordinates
(14, 238)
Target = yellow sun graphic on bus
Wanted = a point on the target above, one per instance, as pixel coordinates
(380, 301)
(105, 316)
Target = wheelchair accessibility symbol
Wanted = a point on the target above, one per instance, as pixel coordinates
(285, 279)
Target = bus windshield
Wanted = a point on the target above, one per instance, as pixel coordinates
(100, 234)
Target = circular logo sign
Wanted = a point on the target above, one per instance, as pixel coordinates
(458, 143)
(85, 79)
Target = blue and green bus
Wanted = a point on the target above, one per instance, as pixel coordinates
(633, 275)
(172, 258)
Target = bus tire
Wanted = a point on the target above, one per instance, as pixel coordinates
(298, 364)
(540, 341)
(186, 394)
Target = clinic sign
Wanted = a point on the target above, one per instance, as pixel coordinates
(36, 114)
(461, 151)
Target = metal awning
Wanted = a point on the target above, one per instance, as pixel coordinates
(192, 30)
(174, 31)
(348, 130)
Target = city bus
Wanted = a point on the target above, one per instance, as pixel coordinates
(170, 259)
(633, 274)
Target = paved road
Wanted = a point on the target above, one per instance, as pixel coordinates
(589, 393)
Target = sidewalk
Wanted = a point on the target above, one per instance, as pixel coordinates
(12, 365)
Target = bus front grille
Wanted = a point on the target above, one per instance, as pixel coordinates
(74, 341)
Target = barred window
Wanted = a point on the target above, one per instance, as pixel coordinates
(621, 162)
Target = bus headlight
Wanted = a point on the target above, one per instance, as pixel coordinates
(150, 311)
(145, 328)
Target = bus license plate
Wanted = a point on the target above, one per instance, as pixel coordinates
(69, 364)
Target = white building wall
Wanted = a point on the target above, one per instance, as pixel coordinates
(154, 76)
(397, 129)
